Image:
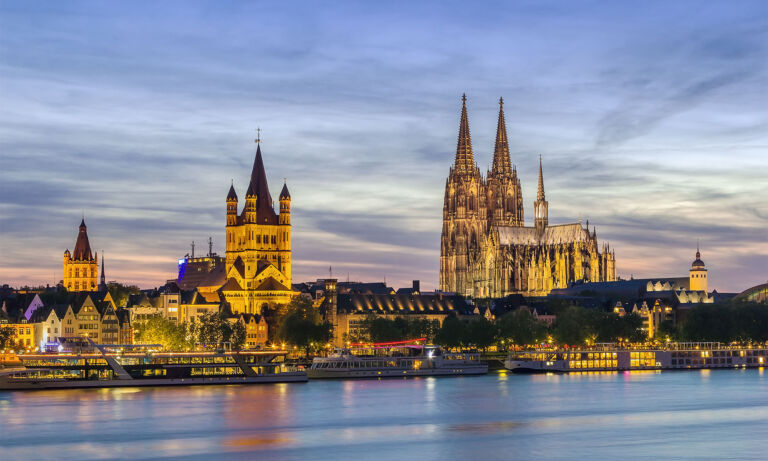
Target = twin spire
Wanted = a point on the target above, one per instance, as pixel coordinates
(465, 161)
(540, 193)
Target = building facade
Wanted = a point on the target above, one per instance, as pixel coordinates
(258, 242)
(487, 251)
(80, 266)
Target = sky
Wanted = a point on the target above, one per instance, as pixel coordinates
(651, 119)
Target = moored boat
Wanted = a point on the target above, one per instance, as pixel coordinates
(391, 362)
(676, 356)
(107, 369)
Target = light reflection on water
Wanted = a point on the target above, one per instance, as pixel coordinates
(714, 414)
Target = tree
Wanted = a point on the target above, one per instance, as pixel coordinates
(481, 333)
(158, 330)
(709, 322)
(573, 327)
(7, 337)
(452, 333)
(303, 327)
(120, 292)
(521, 327)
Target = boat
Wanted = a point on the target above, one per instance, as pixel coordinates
(396, 362)
(103, 368)
(675, 356)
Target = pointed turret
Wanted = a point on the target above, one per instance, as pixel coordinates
(540, 206)
(501, 161)
(232, 205)
(232, 195)
(82, 246)
(285, 205)
(103, 282)
(284, 194)
(540, 193)
(465, 160)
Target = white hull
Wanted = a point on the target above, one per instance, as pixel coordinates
(288, 377)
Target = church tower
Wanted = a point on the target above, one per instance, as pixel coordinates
(697, 276)
(80, 266)
(505, 197)
(541, 214)
(258, 246)
(465, 214)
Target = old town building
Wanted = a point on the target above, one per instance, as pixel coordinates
(81, 265)
(487, 251)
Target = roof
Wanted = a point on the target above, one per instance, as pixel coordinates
(403, 305)
(258, 187)
(284, 194)
(231, 285)
(558, 234)
(82, 246)
(232, 195)
(270, 284)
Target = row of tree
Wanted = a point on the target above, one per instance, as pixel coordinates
(724, 322)
(211, 330)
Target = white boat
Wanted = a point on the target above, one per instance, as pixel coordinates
(104, 369)
(405, 361)
(675, 356)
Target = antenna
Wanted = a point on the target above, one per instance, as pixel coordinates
(330, 272)
(210, 247)
(193, 249)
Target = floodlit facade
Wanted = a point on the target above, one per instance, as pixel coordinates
(80, 266)
(487, 251)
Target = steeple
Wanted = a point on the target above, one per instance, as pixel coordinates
(82, 246)
(465, 161)
(540, 193)
(540, 206)
(259, 188)
(501, 162)
(103, 282)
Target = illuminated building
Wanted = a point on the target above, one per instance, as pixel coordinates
(487, 251)
(256, 330)
(81, 265)
(24, 334)
(258, 242)
(348, 312)
(698, 274)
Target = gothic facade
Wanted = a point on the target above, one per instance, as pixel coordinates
(487, 251)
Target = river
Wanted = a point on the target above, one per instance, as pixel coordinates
(718, 414)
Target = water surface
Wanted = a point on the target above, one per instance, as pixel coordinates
(718, 414)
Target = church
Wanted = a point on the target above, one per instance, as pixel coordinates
(486, 250)
(81, 266)
(258, 246)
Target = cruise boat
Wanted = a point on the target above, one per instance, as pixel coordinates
(115, 369)
(676, 356)
(390, 362)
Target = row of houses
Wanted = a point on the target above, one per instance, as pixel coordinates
(95, 315)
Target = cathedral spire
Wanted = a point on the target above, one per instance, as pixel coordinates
(465, 161)
(259, 188)
(540, 193)
(501, 162)
(103, 282)
(82, 245)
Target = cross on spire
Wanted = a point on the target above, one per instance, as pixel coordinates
(258, 135)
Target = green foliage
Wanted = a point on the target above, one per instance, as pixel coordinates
(7, 338)
(302, 326)
(380, 329)
(481, 333)
(215, 329)
(667, 329)
(521, 327)
(726, 322)
(158, 330)
(120, 292)
(452, 333)
(51, 297)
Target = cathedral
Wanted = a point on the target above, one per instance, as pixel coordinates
(486, 250)
(258, 243)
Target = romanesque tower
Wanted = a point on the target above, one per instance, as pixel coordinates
(81, 265)
(465, 214)
(258, 246)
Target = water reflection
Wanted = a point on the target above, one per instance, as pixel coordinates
(558, 416)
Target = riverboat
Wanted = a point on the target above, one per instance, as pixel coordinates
(103, 368)
(396, 362)
(676, 356)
